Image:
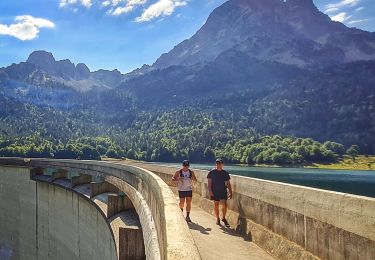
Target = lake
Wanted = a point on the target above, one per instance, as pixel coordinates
(347, 181)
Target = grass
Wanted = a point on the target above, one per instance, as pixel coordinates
(347, 163)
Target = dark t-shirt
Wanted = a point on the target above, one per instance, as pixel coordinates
(218, 180)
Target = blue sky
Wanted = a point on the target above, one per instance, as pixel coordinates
(124, 34)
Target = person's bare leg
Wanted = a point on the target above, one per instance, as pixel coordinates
(224, 208)
(188, 204)
(188, 208)
(216, 210)
(182, 203)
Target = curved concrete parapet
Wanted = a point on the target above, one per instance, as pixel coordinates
(166, 234)
(290, 221)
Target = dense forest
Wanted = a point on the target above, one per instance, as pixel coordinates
(171, 137)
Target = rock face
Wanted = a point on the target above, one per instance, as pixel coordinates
(291, 32)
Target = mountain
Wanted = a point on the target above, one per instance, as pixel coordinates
(255, 68)
(42, 80)
(284, 66)
(41, 69)
(291, 32)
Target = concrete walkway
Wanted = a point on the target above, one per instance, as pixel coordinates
(218, 242)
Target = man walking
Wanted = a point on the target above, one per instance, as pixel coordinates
(218, 183)
(185, 178)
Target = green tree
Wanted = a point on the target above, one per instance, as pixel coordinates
(353, 151)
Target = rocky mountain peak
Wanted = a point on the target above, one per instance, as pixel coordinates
(292, 32)
(82, 71)
(41, 59)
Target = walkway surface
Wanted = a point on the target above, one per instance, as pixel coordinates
(218, 242)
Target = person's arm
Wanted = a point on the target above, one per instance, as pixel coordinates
(175, 176)
(193, 177)
(229, 186)
(210, 187)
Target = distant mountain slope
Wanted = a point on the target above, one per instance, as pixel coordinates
(291, 32)
(44, 81)
(41, 69)
(231, 72)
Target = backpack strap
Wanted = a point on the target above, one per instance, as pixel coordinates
(190, 173)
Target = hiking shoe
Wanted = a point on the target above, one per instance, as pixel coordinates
(225, 222)
(218, 221)
(188, 219)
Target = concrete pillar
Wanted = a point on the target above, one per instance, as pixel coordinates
(82, 179)
(118, 203)
(127, 203)
(131, 245)
(59, 174)
(97, 188)
(36, 171)
(113, 206)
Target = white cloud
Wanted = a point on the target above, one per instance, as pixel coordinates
(106, 3)
(123, 9)
(343, 3)
(85, 3)
(341, 17)
(359, 9)
(25, 27)
(116, 2)
(361, 21)
(331, 10)
(160, 8)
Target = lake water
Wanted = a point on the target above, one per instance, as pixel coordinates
(347, 181)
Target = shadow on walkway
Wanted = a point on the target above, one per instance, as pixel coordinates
(200, 228)
(233, 232)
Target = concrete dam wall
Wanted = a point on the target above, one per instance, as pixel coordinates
(70, 209)
(290, 221)
(43, 221)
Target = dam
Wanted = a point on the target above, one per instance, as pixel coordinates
(70, 209)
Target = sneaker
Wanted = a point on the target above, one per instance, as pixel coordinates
(218, 221)
(188, 219)
(225, 222)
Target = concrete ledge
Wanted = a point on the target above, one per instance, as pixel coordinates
(81, 179)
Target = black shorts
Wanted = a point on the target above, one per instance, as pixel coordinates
(185, 194)
(220, 196)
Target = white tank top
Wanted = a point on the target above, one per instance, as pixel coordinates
(184, 183)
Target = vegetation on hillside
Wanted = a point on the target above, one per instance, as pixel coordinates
(173, 136)
(349, 163)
